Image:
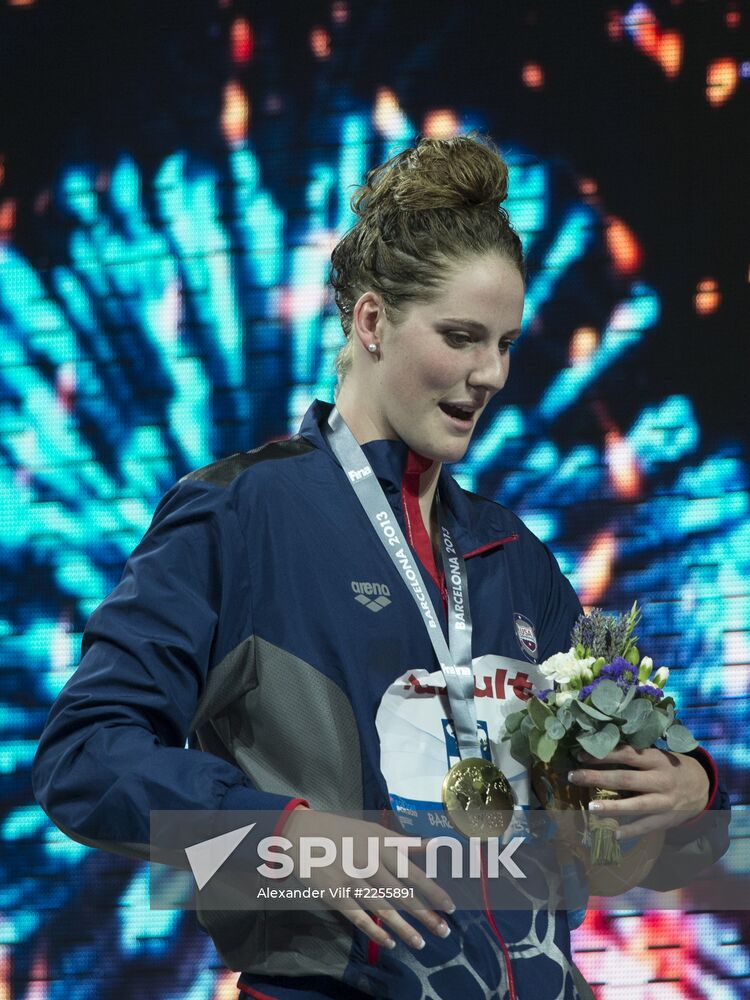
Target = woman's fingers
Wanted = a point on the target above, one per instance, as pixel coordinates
(627, 756)
(413, 904)
(392, 919)
(364, 922)
(638, 782)
(650, 802)
(425, 886)
(645, 824)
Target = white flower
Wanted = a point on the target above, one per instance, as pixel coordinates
(564, 698)
(644, 671)
(562, 668)
(660, 677)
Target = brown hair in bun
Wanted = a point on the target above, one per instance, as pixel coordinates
(418, 213)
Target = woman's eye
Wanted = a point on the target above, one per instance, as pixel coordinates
(507, 345)
(457, 339)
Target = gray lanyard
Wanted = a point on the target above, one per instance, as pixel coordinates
(455, 661)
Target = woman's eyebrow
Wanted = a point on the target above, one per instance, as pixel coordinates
(476, 327)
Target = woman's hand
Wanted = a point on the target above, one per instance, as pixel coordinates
(405, 892)
(664, 788)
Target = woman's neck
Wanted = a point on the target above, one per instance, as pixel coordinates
(366, 430)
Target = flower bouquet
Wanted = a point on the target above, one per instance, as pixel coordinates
(604, 694)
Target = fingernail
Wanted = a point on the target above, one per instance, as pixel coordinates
(443, 930)
(572, 776)
(594, 806)
(450, 908)
(417, 942)
(390, 944)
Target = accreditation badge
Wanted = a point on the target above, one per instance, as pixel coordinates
(418, 749)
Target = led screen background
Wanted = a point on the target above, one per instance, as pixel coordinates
(172, 180)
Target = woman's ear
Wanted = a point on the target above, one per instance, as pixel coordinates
(367, 321)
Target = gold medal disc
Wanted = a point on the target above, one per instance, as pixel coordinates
(478, 798)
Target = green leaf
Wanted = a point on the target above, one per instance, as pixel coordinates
(636, 714)
(565, 717)
(607, 697)
(601, 743)
(513, 721)
(629, 695)
(538, 711)
(527, 724)
(519, 748)
(651, 730)
(667, 704)
(581, 706)
(542, 746)
(554, 728)
(680, 739)
(583, 720)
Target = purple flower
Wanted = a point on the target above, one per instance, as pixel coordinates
(649, 691)
(620, 671)
(586, 691)
(544, 694)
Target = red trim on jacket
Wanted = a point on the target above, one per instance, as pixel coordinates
(490, 546)
(254, 993)
(488, 913)
(285, 813)
(706, 760)
(419, 536)
(373, 948)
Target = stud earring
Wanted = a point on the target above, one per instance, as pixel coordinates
(372, 348)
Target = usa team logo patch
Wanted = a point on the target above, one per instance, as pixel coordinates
(526, 635)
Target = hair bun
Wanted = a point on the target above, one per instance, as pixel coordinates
(458, 173)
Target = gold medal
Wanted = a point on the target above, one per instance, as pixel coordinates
(478, 798)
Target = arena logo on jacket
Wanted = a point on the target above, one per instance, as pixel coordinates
(417, 741)
(526, 635)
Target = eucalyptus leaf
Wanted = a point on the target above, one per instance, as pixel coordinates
(636, 714)
(650, 731)
(565, 717)
(519, 748)
(513, 721)
(680, 739)
(664, 720)
(546, 746)
(607, 697)
(581, 706)
(554, 728)
(629, 695)
(583, 720)
(539, 712)
(601, 743)
(527, 724)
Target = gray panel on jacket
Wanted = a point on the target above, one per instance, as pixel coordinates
(289, 727)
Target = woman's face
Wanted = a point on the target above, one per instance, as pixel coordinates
(443, 360)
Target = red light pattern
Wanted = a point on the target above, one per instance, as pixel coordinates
(242, 41)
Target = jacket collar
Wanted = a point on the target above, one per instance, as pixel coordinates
(474, 525)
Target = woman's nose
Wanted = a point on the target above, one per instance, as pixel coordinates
(491, 371)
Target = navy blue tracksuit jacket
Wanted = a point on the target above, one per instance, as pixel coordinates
(236, 627)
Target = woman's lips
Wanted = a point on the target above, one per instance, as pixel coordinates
(459, 417)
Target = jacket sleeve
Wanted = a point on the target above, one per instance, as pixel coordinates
(114, 745)
(559, 607)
